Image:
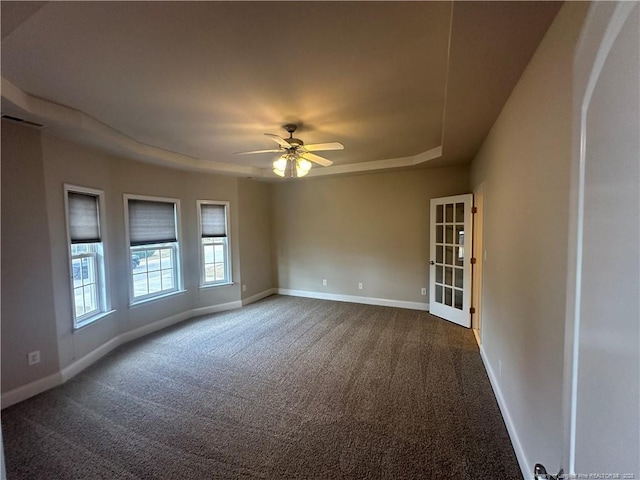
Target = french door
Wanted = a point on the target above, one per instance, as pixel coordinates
(450, 264)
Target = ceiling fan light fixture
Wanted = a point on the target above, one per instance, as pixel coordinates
(302, 167)
(296, 160)
(280, 163)
(292, 165)
(280, 166)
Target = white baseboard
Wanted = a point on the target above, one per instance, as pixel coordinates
(383, 302)
(30, 389)
(34, 388)
(259, 296)
(525, 467)
(215, 308)
(90, 358)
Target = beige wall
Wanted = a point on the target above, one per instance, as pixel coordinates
(28, 321)
(370, 228)
(524, 164)
(66, 162)
(254, 205)
(35, 167)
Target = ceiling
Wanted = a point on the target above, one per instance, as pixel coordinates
(187, 84)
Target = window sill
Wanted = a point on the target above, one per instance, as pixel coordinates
(92, 320)
(153, 299)
(214, 285)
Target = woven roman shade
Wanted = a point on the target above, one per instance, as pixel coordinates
(151, 222)
(213, 220)
(84, 223)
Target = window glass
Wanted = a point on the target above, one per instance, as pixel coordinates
(154, 269)
(214, 243)
(86, 251)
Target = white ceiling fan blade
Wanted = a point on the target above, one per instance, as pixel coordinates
(317, 159)
(276, 150)
(317, 147)
(279, 140)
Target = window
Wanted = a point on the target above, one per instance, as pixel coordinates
(214, 243)
(153, 247)
(86, 251)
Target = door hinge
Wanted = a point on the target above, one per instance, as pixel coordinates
(472, 310)
(474, 209)
(473, 261)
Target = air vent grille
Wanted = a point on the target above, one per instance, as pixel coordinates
(22, 121)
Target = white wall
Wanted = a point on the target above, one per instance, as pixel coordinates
(525, 166)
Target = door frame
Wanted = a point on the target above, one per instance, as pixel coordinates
(601, 29)
(477, 230)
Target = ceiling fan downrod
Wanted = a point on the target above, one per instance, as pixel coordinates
(294, 142)
(290, 127)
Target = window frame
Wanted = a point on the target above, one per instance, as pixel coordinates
(95, 258)
(177, 262)
(229, 273)
(103, 297)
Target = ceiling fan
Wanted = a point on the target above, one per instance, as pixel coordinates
(296, 157)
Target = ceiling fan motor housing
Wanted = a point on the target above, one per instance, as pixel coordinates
(290, 128)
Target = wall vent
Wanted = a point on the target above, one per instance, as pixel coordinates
(22, 121)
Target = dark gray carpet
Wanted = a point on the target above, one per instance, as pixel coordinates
(284, 388)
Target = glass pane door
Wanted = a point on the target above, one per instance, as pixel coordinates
(450, 272)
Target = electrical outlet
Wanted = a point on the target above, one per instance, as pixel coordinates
(33, 357)
(423, 291)
(244, 288)
(360, 286)
(324, 282)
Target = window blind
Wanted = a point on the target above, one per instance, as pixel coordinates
(213, 220)
(151, 222)
(84, 225)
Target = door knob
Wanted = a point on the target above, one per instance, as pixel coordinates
(432, 262)
(540, 473)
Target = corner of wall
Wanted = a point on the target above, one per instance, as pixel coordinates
(524, 164)
(27, 318)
